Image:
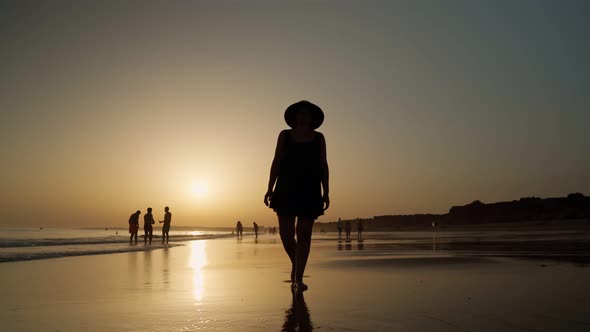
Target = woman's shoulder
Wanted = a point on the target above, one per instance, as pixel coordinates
(285, 133)
(283, 137)
(319, 136)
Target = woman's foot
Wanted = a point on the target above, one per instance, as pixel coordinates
(299, 287)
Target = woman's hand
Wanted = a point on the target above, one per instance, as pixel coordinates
(267, 197)
(326, 199)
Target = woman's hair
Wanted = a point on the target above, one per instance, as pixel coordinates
(149, 209)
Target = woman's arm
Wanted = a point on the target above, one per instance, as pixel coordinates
(325, 173)
(274, 169)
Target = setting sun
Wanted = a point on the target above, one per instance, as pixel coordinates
(199, 189)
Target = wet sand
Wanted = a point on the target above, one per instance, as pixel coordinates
(228, 285)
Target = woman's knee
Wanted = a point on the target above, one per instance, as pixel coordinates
(304, 230)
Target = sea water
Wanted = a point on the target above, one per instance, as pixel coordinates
(17, 244)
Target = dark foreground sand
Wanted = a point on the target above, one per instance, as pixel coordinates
(230, 285)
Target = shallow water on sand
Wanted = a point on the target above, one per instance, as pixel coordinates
(18, 244)
(226, 284)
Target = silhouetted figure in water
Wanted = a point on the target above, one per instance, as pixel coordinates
(300, 170)
(134, 226)
(148, 221)
(347, 229)
(339, 227)
(166, 228)
(239, 229)
(360, 227)
(256, 229)
(297, 317)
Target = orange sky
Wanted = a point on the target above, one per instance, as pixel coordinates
(109, 109)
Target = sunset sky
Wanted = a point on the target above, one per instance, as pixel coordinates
(109, 107)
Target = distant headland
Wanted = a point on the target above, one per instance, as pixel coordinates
(573, 209)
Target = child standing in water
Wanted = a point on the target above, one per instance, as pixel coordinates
(298, 174)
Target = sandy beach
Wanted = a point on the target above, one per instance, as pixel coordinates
(229, 285)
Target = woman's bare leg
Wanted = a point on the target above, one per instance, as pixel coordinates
(304, 230)
(287, 232)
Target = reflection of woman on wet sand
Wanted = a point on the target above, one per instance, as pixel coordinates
(300, 170)
(297, 317)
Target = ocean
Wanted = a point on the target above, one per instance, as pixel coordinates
(19, 244)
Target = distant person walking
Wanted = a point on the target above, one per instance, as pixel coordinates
(148, 221)
(166, 227)
(239, 229)
(256, 229)
(360, 227)
(298, 174)
(339, 227)
(134, 226)
(347, 229)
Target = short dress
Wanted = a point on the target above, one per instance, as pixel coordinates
(298, 191)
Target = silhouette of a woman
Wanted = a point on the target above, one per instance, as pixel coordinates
(300, 171)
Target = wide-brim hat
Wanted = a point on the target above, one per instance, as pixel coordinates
(317, 115)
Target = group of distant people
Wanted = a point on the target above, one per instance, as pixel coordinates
(255, 227)
(148, 222)
(340, 225)
(348, 228)
(240, 229)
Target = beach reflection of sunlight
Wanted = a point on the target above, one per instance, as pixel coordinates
(197, 260)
